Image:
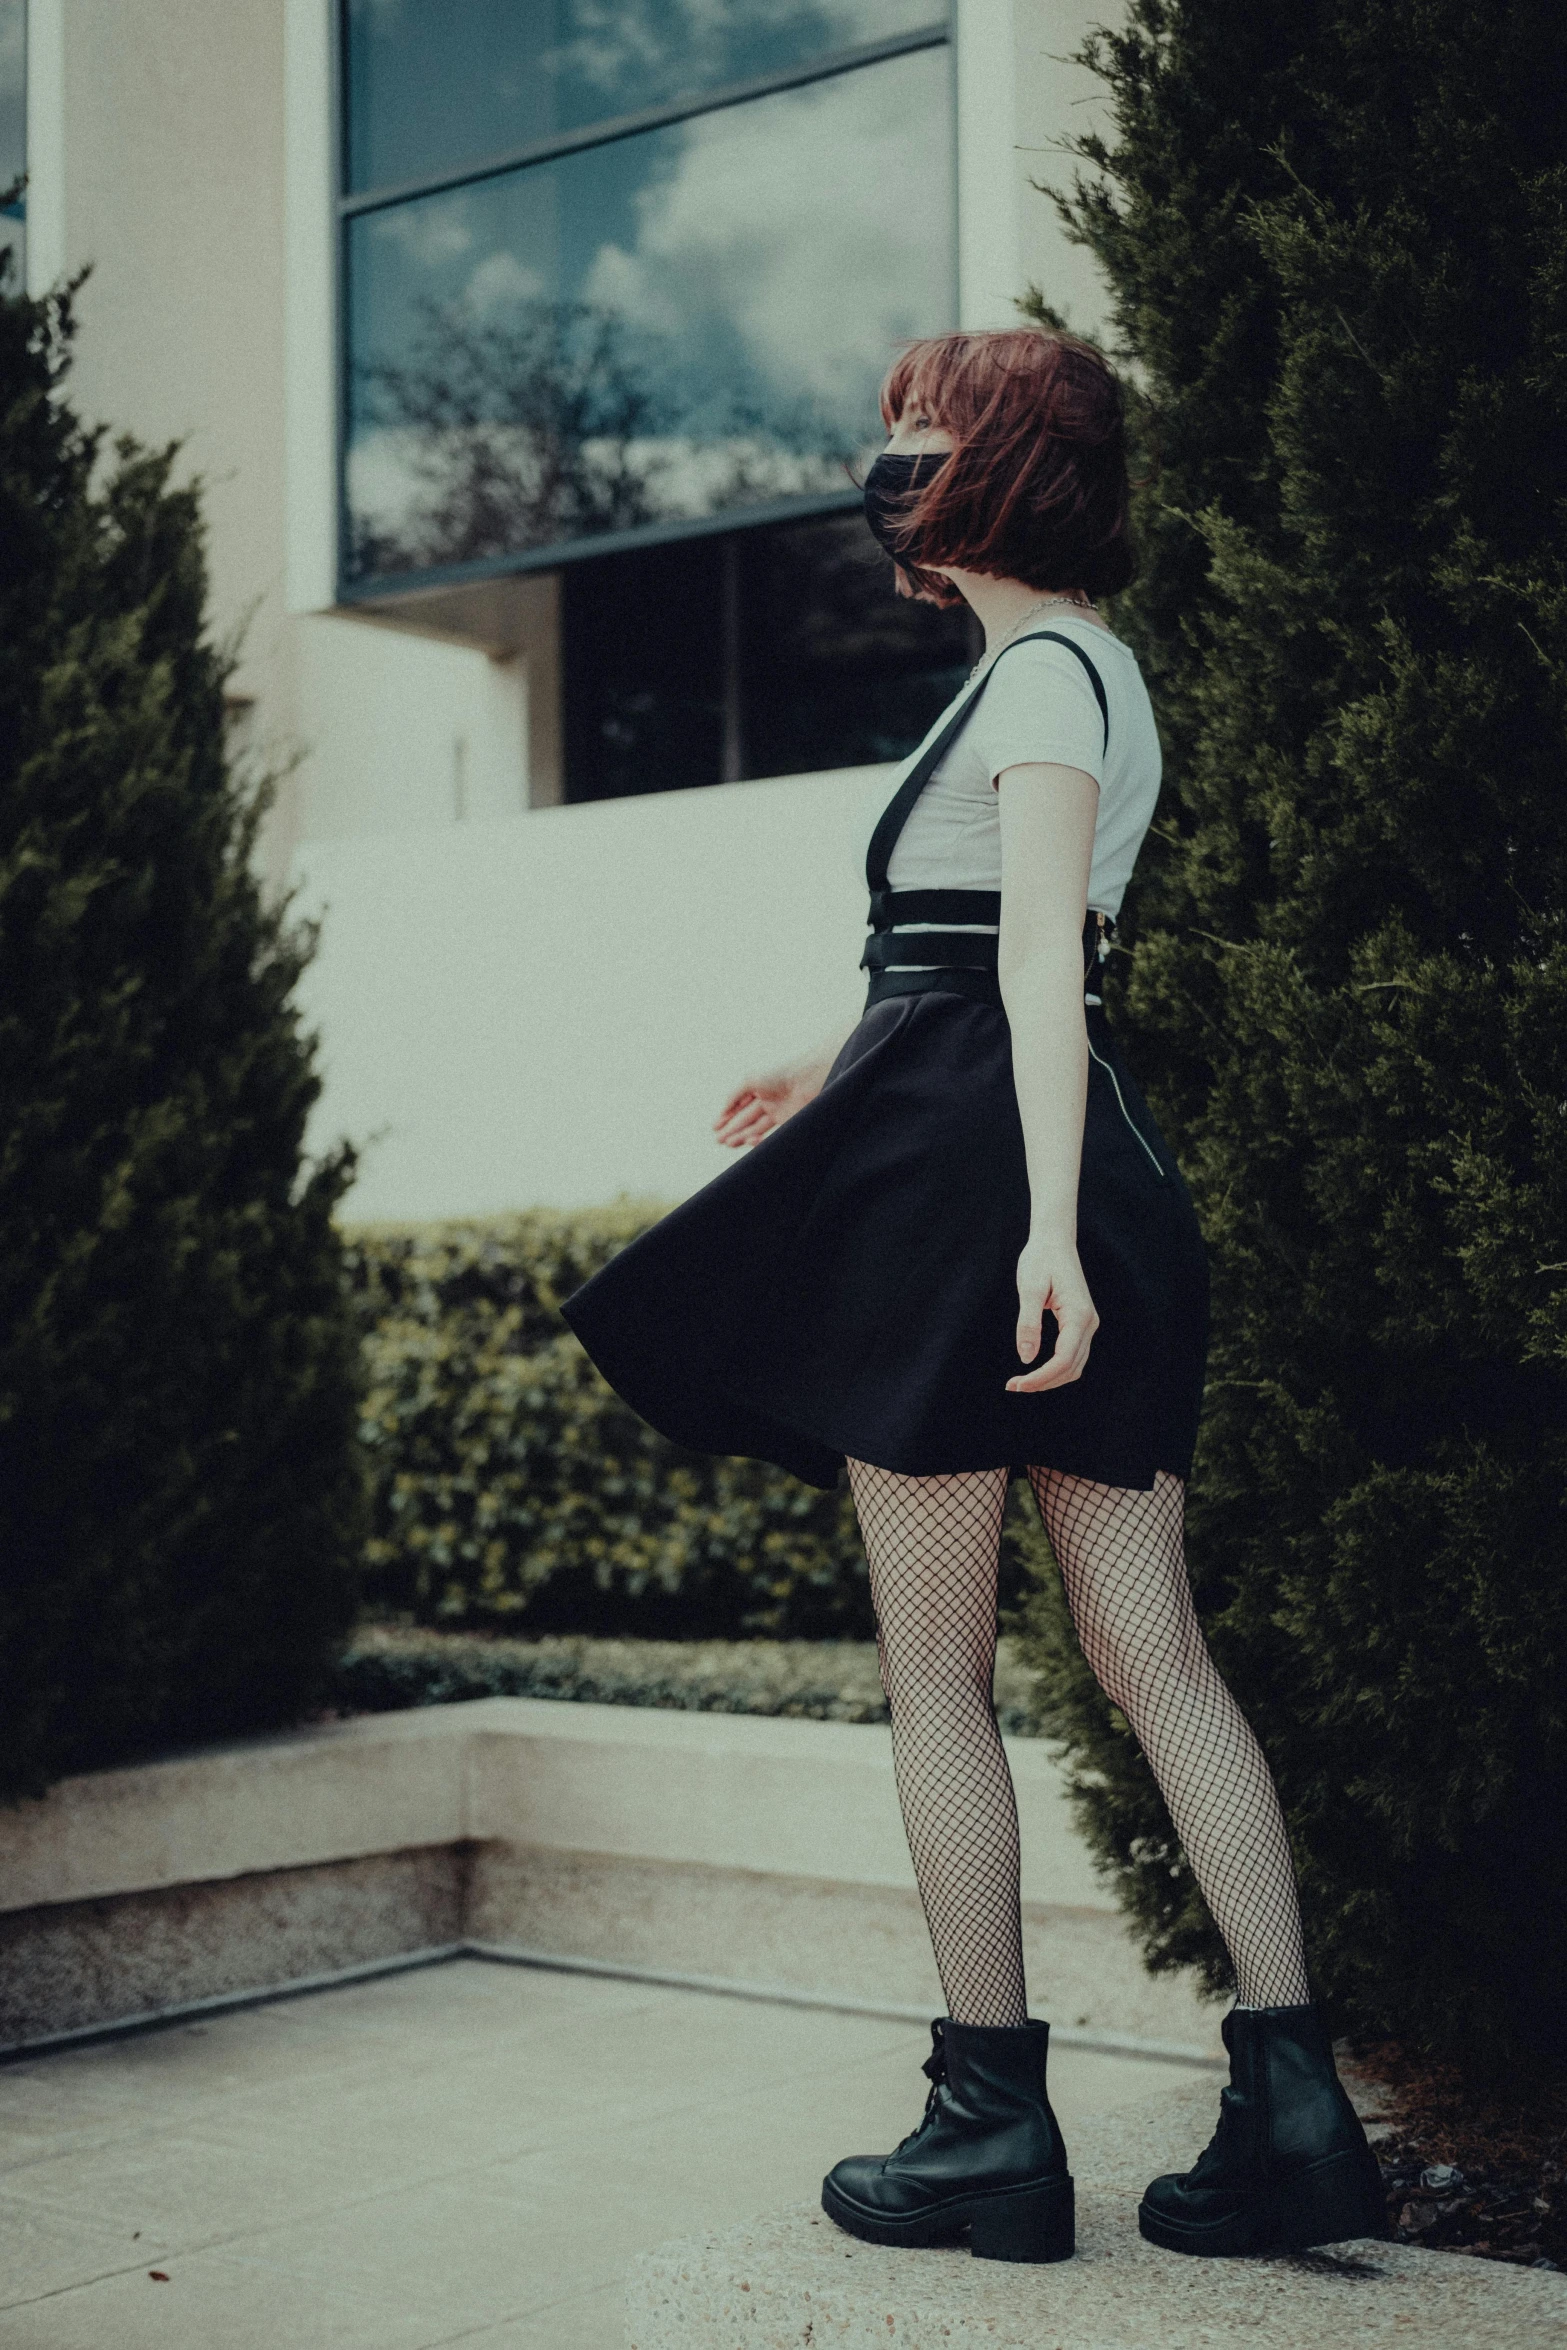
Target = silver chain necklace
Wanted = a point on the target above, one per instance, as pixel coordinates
(1078, 604)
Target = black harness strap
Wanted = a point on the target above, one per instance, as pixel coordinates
(950, 948)
(901, 806)
(981, 987)
(934, 905)
(905, 959)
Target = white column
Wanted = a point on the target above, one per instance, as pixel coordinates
(988, 224)
(46, 248)
(1021, 98)
(310, 326)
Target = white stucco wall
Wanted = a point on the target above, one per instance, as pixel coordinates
(155, 161)
(402, 734)
(515, 1007)
(548, 1009)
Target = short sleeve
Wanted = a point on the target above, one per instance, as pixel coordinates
(1039, 706)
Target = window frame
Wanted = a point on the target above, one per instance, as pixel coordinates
(348, 206)
(17, 210)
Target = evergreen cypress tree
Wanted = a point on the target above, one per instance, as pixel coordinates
(180, 1492)
(1337, 238)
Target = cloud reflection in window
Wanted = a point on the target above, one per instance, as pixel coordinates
(664, 328)
(436, 84)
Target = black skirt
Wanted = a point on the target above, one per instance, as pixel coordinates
(849, 1286)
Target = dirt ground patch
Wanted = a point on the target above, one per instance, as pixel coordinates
(1467, 2173)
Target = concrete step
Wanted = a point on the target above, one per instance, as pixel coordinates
(793, 2281)
(732, 1848)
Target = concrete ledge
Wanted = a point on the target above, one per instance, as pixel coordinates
(335, 1793)
(810, 1799)
(800, 1799)
(692, 1845)
(812, 1934)
(78, 1965)
(794, 2280)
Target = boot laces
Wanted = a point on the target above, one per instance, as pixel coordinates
(1213, 2154)
(935, 2070)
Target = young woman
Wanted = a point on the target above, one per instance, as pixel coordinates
(872, 1285)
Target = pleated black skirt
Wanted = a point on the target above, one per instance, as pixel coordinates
(849, 1286)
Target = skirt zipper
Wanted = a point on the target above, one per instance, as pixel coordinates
(1125, 1112)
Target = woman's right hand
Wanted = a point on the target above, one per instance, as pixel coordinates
(759, 1106)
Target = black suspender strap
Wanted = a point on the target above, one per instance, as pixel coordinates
(901, 806)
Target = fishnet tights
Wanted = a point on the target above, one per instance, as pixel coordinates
(933, 1544)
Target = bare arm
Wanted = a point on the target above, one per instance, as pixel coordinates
(1047, 841)
(761, 1104)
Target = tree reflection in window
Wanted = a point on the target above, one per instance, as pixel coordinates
(510, 436)
(667, 327)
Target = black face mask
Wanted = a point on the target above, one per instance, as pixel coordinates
(887, 499)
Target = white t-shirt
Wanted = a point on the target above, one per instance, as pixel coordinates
(1039, 706)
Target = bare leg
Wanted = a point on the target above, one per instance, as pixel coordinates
(1123, 1563)
(933, 1545)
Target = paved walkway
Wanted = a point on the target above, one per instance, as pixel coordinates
(791, 2278)
(470, 2153)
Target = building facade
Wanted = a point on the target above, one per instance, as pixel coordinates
(527, 350)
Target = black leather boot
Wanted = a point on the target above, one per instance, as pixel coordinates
(1288, 2165)
(987, 2157)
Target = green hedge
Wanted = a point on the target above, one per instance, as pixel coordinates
(180, 1491)
(510, 1485)
(1335, 244)
(390, 1667)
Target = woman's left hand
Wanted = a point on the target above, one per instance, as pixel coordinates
(1050, 1281)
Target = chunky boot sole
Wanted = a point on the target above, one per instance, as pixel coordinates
(1330, 2202)
(1015, 2223)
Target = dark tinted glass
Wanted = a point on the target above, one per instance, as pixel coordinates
(837, 669)
(13, 126)
(435, 84)
(668, 327)
(788, 645)
(642, 653)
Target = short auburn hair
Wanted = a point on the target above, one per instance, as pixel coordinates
(1036, 486)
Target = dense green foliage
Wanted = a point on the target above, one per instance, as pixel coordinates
(509, 1483)
(180, 1492)
(389, 1667)
(1337, 239)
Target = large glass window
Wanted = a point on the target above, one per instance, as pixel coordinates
(13, 134)
(435, 86)
(626, 269)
